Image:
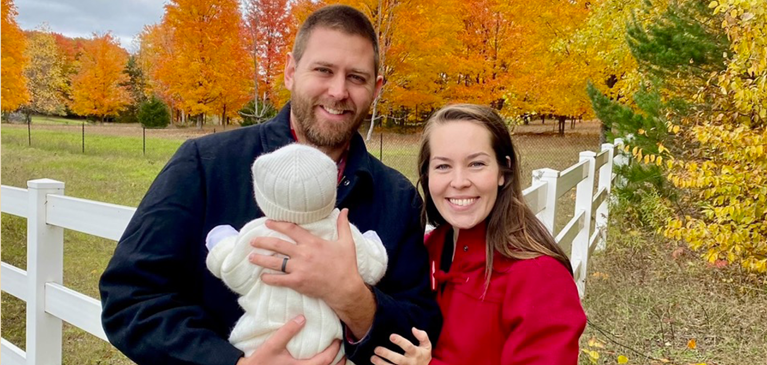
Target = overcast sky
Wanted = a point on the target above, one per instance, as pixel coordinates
(81, 18)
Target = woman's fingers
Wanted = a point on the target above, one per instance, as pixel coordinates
(423, 338)
(389, 355)
(403, 343)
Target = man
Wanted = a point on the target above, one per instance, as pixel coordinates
(162, 306)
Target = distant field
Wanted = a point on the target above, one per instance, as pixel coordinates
(114, 169)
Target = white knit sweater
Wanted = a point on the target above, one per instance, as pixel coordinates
(267, 308)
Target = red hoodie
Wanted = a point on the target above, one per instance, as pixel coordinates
(530, 314)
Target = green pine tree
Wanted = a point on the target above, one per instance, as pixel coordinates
(676, 54)
(153, 113)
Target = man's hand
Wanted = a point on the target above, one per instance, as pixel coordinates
(274, 350)
(321, 269)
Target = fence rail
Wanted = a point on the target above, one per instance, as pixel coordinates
(48, 212)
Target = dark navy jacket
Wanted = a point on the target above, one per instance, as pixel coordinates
(162, 306)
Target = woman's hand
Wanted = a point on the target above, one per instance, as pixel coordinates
(414, 355)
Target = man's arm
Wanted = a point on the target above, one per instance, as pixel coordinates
(404, 298)
(150, 288)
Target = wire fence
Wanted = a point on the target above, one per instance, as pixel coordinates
(539, 145)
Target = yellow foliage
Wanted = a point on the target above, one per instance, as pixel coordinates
(728, 176)
(593, 355)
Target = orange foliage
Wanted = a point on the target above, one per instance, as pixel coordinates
(96, 88)
(14, 84)
(155, 58)
(208, 69)
(267, 24)
(515, 56)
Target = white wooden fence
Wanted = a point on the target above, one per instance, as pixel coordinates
(49, 212)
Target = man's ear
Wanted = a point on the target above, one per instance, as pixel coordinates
(378, 86)
(290, 70)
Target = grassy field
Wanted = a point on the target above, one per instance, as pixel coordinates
(656, 302)
(114, 169)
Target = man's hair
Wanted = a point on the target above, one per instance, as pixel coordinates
(341, 18)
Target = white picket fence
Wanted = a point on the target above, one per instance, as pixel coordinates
(49, 212)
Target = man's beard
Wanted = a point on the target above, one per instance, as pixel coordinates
(327, 134)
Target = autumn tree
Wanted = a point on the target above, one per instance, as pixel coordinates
(97, 88)
(209, 68)
(705, 124)
(726, 177)
(45, 75)
(155, 59)
(604, 54)
(298, 11)
(266, 24)
(14, 84)
(70, 50)
(410, 34)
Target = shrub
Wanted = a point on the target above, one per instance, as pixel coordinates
(154, 114)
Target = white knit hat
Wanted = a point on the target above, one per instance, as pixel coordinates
(295, 183)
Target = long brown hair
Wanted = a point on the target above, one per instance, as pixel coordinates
(512, 228)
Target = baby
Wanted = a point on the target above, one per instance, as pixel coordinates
(297, 184)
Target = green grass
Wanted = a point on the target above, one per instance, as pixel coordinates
(50, 120)
(113, 169)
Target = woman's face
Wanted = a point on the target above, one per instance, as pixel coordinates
(463, 173)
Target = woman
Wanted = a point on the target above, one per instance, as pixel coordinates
(504, 287)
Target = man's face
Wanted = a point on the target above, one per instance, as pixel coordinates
(332, 87)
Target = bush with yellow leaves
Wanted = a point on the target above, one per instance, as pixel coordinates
(727, 174)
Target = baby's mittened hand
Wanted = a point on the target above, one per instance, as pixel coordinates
(218, 233)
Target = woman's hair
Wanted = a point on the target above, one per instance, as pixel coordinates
(512, 228)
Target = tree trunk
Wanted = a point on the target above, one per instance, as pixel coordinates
(562, 121)
(223, 118)
(372, 119)
(603, 133)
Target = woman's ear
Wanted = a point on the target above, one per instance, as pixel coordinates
(502, 179)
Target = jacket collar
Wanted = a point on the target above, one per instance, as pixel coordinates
(358, 163)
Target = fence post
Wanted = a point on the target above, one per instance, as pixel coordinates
(547, 215)
(603, 211)
(619, 159)
(584, 195)
(45, 264)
